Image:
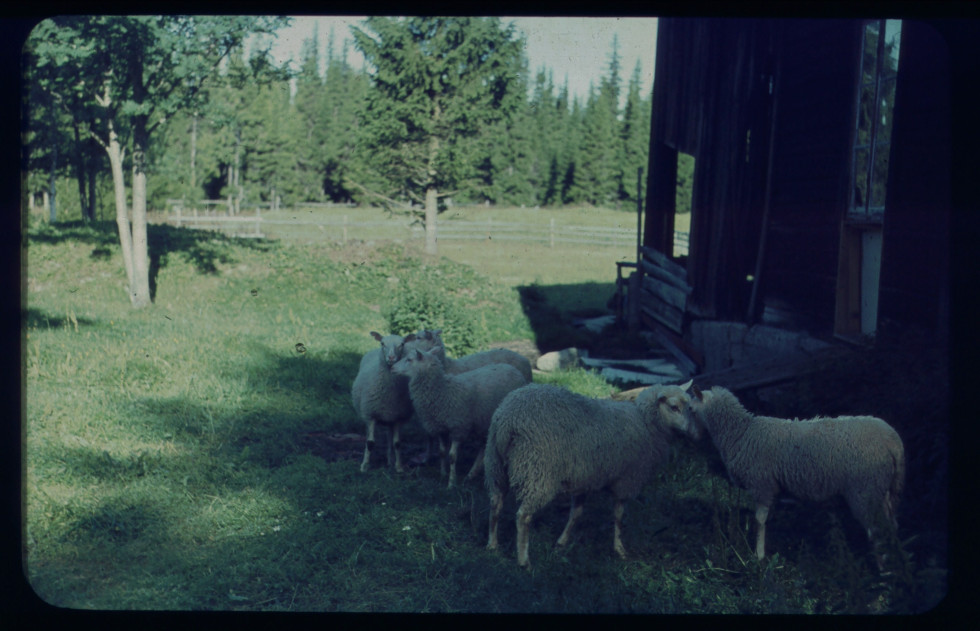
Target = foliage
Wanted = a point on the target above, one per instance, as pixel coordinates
(234, 128)
(428, 298)
(434, 83)
(198, 455)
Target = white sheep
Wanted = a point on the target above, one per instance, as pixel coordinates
(860, 458)
(455, 406)
(428, 339)
(545, 440)
(379, 396)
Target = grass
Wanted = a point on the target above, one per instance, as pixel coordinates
(198, 455)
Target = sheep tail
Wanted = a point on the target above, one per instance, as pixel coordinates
(495, 460)
(897, 484)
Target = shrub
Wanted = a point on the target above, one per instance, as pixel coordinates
(423, 306)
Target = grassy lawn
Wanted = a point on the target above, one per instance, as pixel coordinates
(203, 453)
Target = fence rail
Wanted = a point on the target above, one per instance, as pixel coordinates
(341, 229)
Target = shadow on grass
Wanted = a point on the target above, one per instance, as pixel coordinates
(41, 319)
(550, 309)
(203, 249)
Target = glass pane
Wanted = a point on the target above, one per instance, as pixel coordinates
(879, 178)
(886, 111)
(868, 65)
(893, 38)
(860, 199)
(865, 114)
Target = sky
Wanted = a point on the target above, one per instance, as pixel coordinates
(577, 49)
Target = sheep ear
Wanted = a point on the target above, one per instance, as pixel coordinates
(376, 335)
(696, 391)
(418, 354)
(408, 338)
(687, 385)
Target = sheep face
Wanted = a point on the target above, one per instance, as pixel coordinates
(699, 399)
(416, 361)
(673, 406)
(392, 346)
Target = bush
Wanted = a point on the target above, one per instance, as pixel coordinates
(422, 306)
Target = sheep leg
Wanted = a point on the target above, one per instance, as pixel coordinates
(618, 529)
(442, 455)
(523, 536)
(453, 453)
(496, 505)
(477, 467)
(761, 514)
(368, 446)
(394, 445)
(573, 514)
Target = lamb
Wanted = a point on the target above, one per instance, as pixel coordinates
(858, 457)
(428, 340)
(544, 440)
(379, 396)
(455, 406)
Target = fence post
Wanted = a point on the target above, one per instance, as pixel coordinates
(489, 228)
(551, 232)
(345, 229)
(177, 209)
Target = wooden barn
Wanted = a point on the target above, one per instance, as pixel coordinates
(821, 189)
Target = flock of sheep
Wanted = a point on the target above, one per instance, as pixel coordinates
(542, 440)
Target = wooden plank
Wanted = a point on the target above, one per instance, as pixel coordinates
(661, 260)
(663, 275)
(667, 293)
(758, 374)
(769, 372)
(663, 313)
(654, 366)
(689, 351)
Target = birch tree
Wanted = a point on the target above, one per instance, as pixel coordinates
(122, 78)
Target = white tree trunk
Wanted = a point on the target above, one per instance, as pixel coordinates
(431, 210)
(139, 290)
(122, 211)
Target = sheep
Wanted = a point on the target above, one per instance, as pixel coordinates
(454, 406)
(858, 457)
(544, 440)
(379, 396)
(427, 340)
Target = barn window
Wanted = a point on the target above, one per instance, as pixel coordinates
(875, 107)
(862, 230)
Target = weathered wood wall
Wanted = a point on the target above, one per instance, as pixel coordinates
(712, 100)
(818, 79)
(915, 252)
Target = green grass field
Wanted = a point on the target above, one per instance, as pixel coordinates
(203, 453)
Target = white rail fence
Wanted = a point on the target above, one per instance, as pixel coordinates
(342, 229)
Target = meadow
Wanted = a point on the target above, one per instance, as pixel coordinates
(202, 454)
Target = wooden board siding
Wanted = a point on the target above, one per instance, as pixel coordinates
(711, 90)
(812, 163)
(915, 252)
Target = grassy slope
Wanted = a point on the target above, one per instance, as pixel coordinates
(171, 460)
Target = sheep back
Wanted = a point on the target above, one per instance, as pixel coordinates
(544, 440)
(859, 457)
(456, 404)
(426, 340)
